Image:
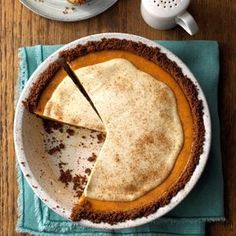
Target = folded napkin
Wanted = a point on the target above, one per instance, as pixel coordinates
(203, 204)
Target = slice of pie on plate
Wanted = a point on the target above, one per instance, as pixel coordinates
(152, 118)
(77, 1)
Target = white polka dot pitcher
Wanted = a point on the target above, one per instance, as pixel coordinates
(166, 14)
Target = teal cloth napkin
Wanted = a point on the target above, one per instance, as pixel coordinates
(203, 204)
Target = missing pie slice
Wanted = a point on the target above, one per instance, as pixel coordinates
(152, 121)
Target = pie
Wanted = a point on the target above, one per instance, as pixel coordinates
(77, 1)
(150, 114)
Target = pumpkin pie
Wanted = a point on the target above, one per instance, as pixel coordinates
(151, 116)
(77, 1)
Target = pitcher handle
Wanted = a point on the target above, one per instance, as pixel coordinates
(187, 22)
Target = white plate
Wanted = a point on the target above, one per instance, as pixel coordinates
(62, 10)
(29, 135)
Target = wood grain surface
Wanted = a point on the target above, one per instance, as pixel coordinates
(20, 27)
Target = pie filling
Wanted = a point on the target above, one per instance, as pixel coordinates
(143, 124)
(77, 1)
(150, 131)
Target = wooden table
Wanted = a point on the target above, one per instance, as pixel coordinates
(19, 27)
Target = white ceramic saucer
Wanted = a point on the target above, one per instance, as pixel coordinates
(62, 10)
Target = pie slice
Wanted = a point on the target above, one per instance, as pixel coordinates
(152, 120)
(62, 101)
(77, 1)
